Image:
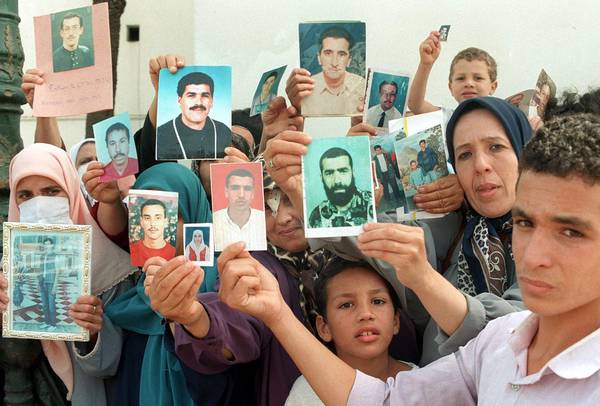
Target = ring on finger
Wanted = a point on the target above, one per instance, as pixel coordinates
(94, 309)
(271, 164)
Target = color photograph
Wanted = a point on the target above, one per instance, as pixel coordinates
(334, 53)
(194, 113)
(266, 90)
(421, 160)
(338, 187)
(152, 225)
(198, 243)
(386, 97)
(385, 163)
(115, 147)
(72, 39)
(47, 268)
(238, 205)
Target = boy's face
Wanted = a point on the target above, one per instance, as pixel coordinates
(361, 320)
(556, 236)
(471, 79)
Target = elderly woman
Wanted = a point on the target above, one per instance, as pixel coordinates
(49, 192)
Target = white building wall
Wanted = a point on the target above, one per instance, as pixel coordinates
(253, 36)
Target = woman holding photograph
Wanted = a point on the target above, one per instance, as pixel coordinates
(459, 267)
(49, 192)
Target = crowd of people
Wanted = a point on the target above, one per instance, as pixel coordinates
(497, 302)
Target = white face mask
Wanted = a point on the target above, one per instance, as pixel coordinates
(45, 210)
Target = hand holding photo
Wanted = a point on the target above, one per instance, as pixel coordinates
(338, 187)
(334, 53)
(386, 97)
(444, 30)
(266, 90)
(238, 205)
(115, 147)
(73, 50)
(421, 159)
(152, 225)
(198, 243)
(194, 113)
(47, 268)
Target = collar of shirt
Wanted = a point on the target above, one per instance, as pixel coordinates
(579, 361)
(232, 223)
(321, 86)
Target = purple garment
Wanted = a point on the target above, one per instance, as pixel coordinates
(247, 338)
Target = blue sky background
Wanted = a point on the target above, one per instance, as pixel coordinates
(359, 149)
(100, 136)
(168, 108)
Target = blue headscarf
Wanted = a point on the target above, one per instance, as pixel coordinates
(162, 378)
(486, 241)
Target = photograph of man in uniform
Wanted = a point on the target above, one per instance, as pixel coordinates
(71, 54)
(239, 221)
(380, 114)
(345, 204)
(47, 279)
(336, 90)
(153, 221)
(193, 134)
(384, 168)
(118, 140)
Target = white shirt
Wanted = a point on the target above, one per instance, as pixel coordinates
(374, 114)
(382, 163)
(324, 102)
(253, 233)
(491, 370)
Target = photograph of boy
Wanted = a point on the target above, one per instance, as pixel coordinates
(238, 205)
(191, 132)
(338, 185)
(154, 229)
(345, 292)
(198, 243)
(387, 98)
(422, 160)
(72, 49)
(339, 72)
(115, 147)
(266, 90)
(386, 170)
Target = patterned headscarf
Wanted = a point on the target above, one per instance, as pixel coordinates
(486, 245)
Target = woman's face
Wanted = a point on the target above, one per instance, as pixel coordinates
(285, 230)
(485, 162)
(34, 186)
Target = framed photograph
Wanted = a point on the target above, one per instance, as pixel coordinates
(338, 187)
(115, 147)
(238, 205)
(421, 159)
(194, 113)
(72, 47)
(334, 52)
(152, 224)
(387, 93)
(47, 268)
(383, 156)
(266, 90)
(198, 243)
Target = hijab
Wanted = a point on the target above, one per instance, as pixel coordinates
(197, 248)
(486, 250)
(110, 264)
(162, 379)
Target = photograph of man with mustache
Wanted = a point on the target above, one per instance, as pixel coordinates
(71, 54)
(193, 134)
(117, 144)
(345, 205)
(153, 220)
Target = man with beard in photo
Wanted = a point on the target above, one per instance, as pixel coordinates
(345, 205)
(193, 134)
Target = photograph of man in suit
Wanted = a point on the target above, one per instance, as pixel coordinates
(47, 279)
(384, 168)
